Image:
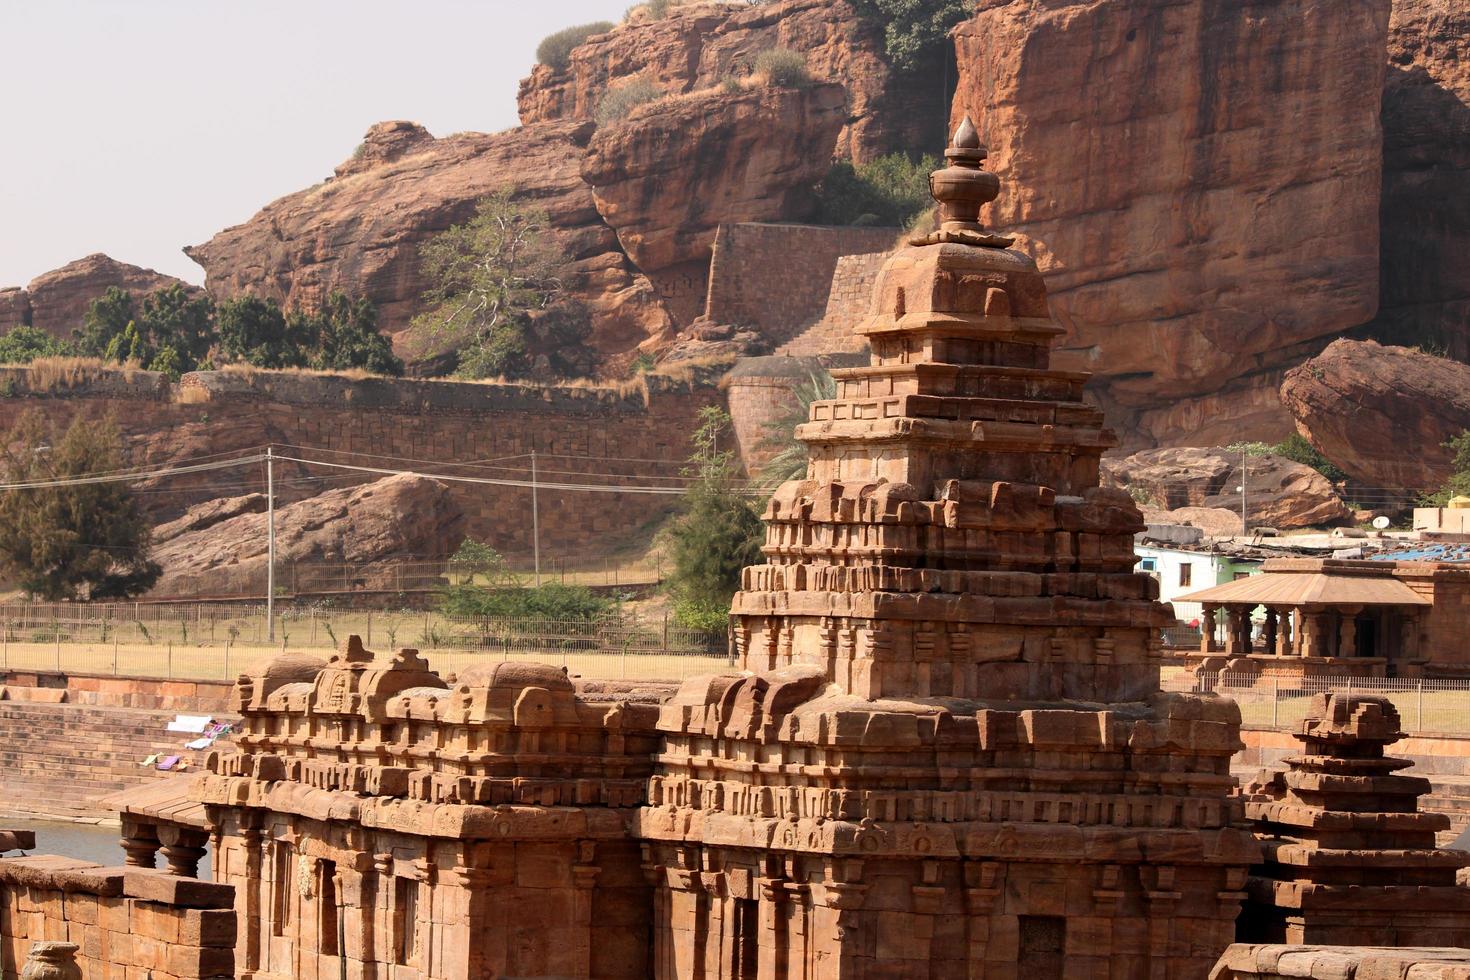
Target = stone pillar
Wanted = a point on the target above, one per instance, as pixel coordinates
(1347, 631)
(1268, 637)
(1284, 637)
(250, 895)
(182, 849)
(1313, 635)
(1233, 632)
(139, 843)
(1208, 625)
(773, 943)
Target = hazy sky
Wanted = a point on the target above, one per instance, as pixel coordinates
(136, 127)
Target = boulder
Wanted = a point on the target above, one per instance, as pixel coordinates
(1425, 207)
(1382, 414)
(395, 518)
(55, 301)
(697, 46)
(1279, 492)
(361, 232)
(1198, 181)
(1214, 522)
(666, 177)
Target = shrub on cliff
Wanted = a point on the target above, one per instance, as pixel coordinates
(782, 68)
(257, 332)
(22, 345)
(717, 533)
(889, 190)
(115, 328)
(555, 50)
(344, 335)
(915, 32)
(620, 100)
(1458, 485)
(495, 292)
(86, 541)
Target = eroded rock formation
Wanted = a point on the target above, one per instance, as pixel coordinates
(698, 46)
(55, 301)
(395, 518)
(1198, 180)
(1382, 414)
(361, 232)
(1279, 492)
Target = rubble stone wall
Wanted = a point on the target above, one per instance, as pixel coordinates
(581, 434)
(776, 278)
(133, 921)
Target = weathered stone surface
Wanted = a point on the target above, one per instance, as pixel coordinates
(1425, 207)
(361, 232)
(699, 45)
(1380, 413)
(55, 301)
(384, 143)
(667, 176)
(1198, 180)
(1279, 492)
(1243, 961)
(396, 517)
(209, 513)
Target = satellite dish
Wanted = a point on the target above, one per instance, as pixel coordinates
(1381, 522)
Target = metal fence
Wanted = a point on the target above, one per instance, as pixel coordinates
(218, 641)
(1428, 706)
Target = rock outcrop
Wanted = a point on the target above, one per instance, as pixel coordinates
(1279, 492)
(361, 232)
(1382, 414)
(698, 46)
(55, 301)
(1198, 180)
(666, 177)
(396, 517)
(1425, 207)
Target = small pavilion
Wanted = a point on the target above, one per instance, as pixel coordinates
(1321, 609)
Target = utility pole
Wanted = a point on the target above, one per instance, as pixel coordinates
(535, 521)
(1244, 525)
(270, 545)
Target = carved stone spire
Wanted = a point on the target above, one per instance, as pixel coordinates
(962, 189)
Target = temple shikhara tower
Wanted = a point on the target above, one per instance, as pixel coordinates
(948, 755)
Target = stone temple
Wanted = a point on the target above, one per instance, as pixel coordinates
(945, 753)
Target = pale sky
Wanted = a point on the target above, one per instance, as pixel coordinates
(136, 127)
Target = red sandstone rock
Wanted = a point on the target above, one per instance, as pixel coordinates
(361, 232)
(55, 301)
(1199, 181)
(1426, 176)
(1279, 493)
(396, 517)
(384, 143)
(1382, 414)
(210, 513)
(667, 176)
(697, 46)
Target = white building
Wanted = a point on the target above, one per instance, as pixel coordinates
(1182, 569)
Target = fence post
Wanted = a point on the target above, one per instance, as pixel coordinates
(1420, 698)
(114, 653)
(1275, 703)
(370, 628)
(58, 649)
(227, 660)
(170, 659)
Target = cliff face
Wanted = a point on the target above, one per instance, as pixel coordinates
(361, 231)
(55, 301)
(698, 46)
(1425, 207)
(1382, 414)
(1199, 182)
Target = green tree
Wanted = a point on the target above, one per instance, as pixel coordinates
(345, 335)
(87, 541)
(106, 318)
(717, 533)
(889, 190)
(790, 459)
(21, 345)
(256, 331)
(1458, 485)
(915, 32)
(489, 279)
(178, 318)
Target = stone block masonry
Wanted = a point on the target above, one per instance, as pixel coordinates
(585, 434)
(776, 278)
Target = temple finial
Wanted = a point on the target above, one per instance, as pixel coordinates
(961, 190)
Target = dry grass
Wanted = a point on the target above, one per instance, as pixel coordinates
(348, 374)
(62, 373)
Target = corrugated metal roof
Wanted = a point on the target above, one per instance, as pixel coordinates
(1313, 588)
(1449, 553)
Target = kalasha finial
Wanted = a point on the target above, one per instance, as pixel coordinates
(962, 189)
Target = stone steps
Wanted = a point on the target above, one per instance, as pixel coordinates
(824, 337)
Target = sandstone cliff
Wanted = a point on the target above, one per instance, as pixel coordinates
(395, 518)
(1199, 182)
(696, 47)
(361, 231)
(1382, 414)
(1425, 206)
(55, 301)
